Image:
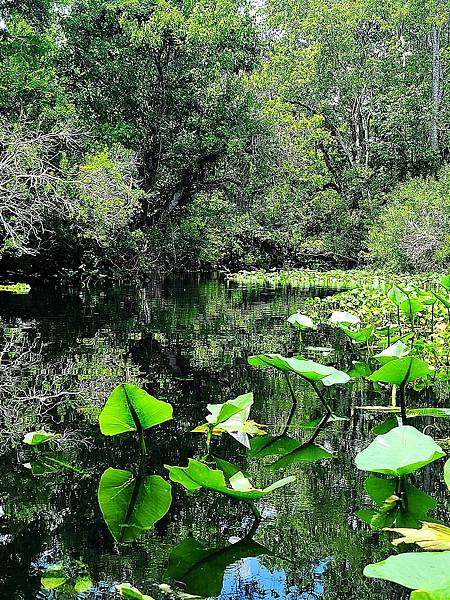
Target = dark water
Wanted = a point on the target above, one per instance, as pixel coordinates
(185, 341)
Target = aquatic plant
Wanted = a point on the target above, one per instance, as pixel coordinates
(130, 408)
(231, 417)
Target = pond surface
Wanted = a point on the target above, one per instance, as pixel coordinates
(185, 341)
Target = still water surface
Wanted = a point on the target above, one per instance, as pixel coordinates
(185, 341)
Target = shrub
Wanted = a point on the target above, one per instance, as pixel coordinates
(412, 233)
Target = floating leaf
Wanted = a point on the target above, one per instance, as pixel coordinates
(308, 452)
(126, 590)
(308, 369)
(130, 505)
(427, 572)
(35, 438)
(129, 408)
(401, 371)
(198, 475)
(360, 336)
(393, 352)
(201, 569)
(401, 451)
(431, 536)
(301, 321)
(344, 318)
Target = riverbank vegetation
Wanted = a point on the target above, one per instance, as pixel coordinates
(143, 136)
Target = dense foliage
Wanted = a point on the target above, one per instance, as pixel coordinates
(153, 134)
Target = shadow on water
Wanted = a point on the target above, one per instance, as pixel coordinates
(187, 342)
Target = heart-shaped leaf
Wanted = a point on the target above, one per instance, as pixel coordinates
(401, 451)
(129, 408)
(130, 505)
(360, 336)
(401, 371)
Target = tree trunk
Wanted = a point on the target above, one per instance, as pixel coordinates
(435, 88)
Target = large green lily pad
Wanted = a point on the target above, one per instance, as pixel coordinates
(401, 451)
(426, 572)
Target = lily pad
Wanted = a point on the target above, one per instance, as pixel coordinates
(129, 408)
(308, 369)
(401, 371)
(198, 475)
(426, 572)
(399, 452)
(131, 505)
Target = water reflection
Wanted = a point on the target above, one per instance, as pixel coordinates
(187, 342)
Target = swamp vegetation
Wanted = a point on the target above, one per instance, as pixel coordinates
(153, 135)
(206, 438)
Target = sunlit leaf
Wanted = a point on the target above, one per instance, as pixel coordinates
(129, 408)
(427, 572)
(401, 371)
(411, 307)
(360, 336)
(344, 318)
(431, 536)
(396, 295)
(401, 451)
(198, 475)
(35, 438)
(301, 321)
(393, 352)
(126, 590)
(447, 473)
